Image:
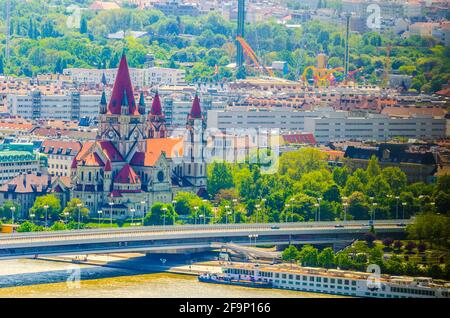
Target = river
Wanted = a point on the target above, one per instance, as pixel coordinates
(40, 278)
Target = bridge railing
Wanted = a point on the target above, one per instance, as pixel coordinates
(198, 227)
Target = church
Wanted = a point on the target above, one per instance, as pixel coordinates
(133, 163)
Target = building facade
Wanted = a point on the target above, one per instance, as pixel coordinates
(60, 155)
(133, 163)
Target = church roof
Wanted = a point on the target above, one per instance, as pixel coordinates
(156, 106)
(196, 110)
(122, 88)
(108, 166)
(127, 175)
(93, 160)
(172, 147)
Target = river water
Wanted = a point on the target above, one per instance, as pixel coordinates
(39, 278)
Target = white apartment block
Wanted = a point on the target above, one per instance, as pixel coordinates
(69, 106)
(342, 126)
(14, 163)
(282, 118)
(139, 77)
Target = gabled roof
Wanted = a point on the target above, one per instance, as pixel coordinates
(172, 147)
(127, 175)
(122, 88)
(60, 147)
(106, 146)
(92, 160)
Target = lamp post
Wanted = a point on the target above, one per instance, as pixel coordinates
(164, 209)
(111, 203)
(404, 205)
(396, 209)
(318, 200)
(204, 209)
(257, 206)
(287, 206)
(317, 205)
(13, 209)
(32, 217)
(100, 212)
(143, 211)
(374, 210)
(227, 207)
(292, 209)
(66, 214)
(79, 214)
(46, 208)
(174, 202)
(196, 211)
(345, 204)
(132, 210)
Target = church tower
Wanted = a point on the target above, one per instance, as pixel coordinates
(194, 163)
(156, 120)
(122, 122)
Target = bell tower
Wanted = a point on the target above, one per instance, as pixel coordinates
(194, 163)
(156, 120)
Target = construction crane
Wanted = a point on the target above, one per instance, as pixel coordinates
(252, 55)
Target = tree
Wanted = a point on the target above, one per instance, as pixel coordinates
(161, 214)
(75, 210)
(296, 163)
(53, 207)
(83, 25)
(58, 226)
(308, 256)
(326, 258)
(8, 208)
(357, 206)
(343, 260)
(332, 194)
(430, 227)
(373, 168)
(2, 68)
(290, 254)
(26, 226)
(219, 177)
(396, 179)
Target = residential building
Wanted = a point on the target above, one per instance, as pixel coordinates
(60, 154)
(15, 162)
(71, 105)
(418, 166)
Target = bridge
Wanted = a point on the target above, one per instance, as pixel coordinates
(189, 237)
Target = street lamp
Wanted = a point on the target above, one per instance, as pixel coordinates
(292, 209)
(374, 210)
(318, 200)
(79, 214)
(257, 206)
(46, 208)
(317, 205)
(32, 217)
(99, 216)
(164, 216)
(196, 211)
(132, 210)
(111, 203)
(174, 202)
(143, 211)
(250, 236)
(234, 210)
(13, 209)
(404, 204)
(226, 219)
(202, 216)
(66, 214)
(287, 206)
(396, 209)
(227, 207)
(345, 204)
(204, 209)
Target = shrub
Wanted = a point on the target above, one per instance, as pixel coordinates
(398, 245)
(369, 238)
(422, 247)
(410, 246)
(387, 242)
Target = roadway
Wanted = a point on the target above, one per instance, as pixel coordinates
(183, 236)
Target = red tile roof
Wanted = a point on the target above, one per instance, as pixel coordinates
(299, 139)
(172, 147)
(127, 175)
(27, 183)
(62, 147)
(92, 160)
(122, 86)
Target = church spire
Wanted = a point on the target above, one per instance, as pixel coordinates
(156, 106)
(156, 120)
(122, 85)
(142, 103)
(103, 103)
(196, 110)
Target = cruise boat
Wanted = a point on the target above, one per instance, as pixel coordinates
(339, 282)
(233, 280)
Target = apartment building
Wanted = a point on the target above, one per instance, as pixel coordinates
(60, 154)
(14, 162)
(71, 105)
(139, 77)
(341, 125)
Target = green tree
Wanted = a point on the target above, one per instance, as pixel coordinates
(290, 254)
(373, 168)
(430, 227)
(161, 214)
(219, 177)
(53, 207)
(83, 25)
(326, 258)
(75, 209)
(308, 256)
(396, 179)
